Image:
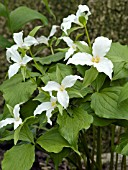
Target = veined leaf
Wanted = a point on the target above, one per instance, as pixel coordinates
(20, 16)
(105, 104)
(83, 48)
(69, 126)
(19, 157)
(123, 94)
(51, 58)
(52, 141)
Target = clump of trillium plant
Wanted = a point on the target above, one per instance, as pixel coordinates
(53, 100)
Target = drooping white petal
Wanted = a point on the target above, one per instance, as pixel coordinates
(16, 111)
(63, 98)
(13, 54)
(42, 40)
(17, 123)
(66, 24)
(70, 80)
(26, 59)
(42, 107)
(82, 9)
(84, 43)
(81, 58)
(18, 38)
(69, 53)
(13, 69)
(51, 85)
(6, 122)
(48, 114)
(68, 41)
(105, 66)
(53, 30)
(10, 52)
(101, 46)
(28, 41)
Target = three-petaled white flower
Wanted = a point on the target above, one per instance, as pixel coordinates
(48, 107)
(100, 48)
(14, 55)
(26, 43)
(43, 39)
(83, 10)
(16, 119)
(62, 95)
(72, 46)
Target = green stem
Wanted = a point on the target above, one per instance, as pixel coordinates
(51, 50)
(93, 150)
(86, 31)
(99, 148)
(112, 147)
(37, 66)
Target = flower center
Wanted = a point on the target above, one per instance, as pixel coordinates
(96, 59)
(74, 46)
(62, 88)
(54, 104)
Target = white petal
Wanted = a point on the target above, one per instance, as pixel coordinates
(69, 53)
(48, 114)
(51, 85)
(6, 122)
(28, 41)
(53, 99)
(13, 69)
(81, 58)
(53, 30)
(63, 98)
(18, 38)
(42, 107)
(16, 111)
(101, 46)
(42, 40)
(26, 59)
(70, 80)
(11, 51)
(68, 41)
(17, 123)
(13, 54)
(66, 24)
(105, 66)
(84, 43)
(82, 9)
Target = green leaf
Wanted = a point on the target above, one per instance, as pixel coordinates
(3, 11)
(48, 8)
(123, 94)
(118, 53)
(52, 141)
(122, 148)
(69, 126)
(4, 43)
(34, 31)
(82, 20)
(19, 157)
(21, 15)
(99, 81)
(83, 48)
(90, 75)
(62, 70)
(20, 93)
(105, 104)
(58, 157)
(52, 58)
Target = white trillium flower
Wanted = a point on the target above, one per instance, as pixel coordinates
(83, 10)
(26, 43)
(62, 95)
(72, 46)
(48, 107)
(100, 48)
(16, 120)
(19, 61)
(43, 39)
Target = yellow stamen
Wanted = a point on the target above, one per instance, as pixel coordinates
(53, 104)
(62, 88)
(95, 59)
